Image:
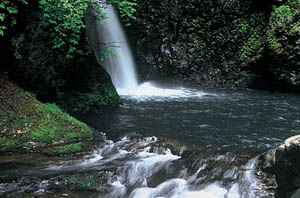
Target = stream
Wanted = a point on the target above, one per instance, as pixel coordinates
(165, 143)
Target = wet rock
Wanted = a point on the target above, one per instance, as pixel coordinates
(218, 43)
(282, 165)
(174, 145)
(57, 185)
(199, 42)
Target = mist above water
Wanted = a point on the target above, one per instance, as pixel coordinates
(148, 91)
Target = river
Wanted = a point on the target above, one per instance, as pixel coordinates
(171, 143)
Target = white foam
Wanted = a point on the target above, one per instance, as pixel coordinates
(148, 91)
(119, 190)
(178, 188)
(234, 191)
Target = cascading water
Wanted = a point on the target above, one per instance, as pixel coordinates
(109, 35)
(146, 170)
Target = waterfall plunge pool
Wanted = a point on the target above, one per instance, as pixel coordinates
(216, 120)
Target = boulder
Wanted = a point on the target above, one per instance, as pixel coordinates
(283, 163)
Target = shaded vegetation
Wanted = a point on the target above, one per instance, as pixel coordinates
(47, 52)
(283, 37)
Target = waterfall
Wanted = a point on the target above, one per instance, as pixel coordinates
(109, 35)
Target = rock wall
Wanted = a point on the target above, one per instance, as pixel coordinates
(218, 43)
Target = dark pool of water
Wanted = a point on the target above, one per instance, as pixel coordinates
(225, 120)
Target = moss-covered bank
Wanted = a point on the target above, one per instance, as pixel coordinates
(27, 125)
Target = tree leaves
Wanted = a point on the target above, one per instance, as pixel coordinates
(64, 19)
(8, 10)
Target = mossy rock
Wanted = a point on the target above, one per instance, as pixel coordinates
(29, 125)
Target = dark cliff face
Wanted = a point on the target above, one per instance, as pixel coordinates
(214, 43)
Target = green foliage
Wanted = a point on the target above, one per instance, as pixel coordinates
(106, 53)
(126, 8)
(8, 11)
(72, 180)
(254, 31)
(84, 181)
(7, 144)
(200, 47)
(65, 19)
(54, 31)
(283, 21)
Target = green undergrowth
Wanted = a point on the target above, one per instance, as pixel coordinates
(284, 23)
(29, 125)
(254, 30)
(84, 182)
(101, 95)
